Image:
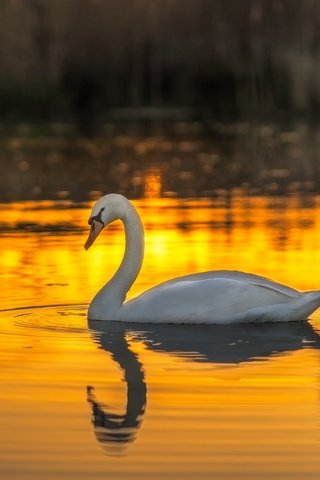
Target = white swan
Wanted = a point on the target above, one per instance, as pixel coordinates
(210, 297)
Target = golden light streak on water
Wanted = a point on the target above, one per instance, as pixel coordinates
(152, 183)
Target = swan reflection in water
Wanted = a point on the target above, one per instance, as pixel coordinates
(113, 431)
(216, 344)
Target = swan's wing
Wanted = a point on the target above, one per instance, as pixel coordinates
(217, 297)
(246, 278)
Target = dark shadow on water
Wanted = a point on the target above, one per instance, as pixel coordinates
(216, 344)
(213, 343)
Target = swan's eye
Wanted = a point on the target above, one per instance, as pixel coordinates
(97, 218)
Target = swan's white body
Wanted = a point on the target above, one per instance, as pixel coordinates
(210, 297)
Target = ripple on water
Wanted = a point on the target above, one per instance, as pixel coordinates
(56, 318)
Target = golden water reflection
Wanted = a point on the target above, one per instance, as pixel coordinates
(174, 401)
(43, 261)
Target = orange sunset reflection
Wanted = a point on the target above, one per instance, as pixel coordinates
(184, 393)
(44, 262)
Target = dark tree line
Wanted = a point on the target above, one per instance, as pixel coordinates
(84, 58)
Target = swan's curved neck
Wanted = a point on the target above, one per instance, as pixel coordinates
(113, 294)
(133, 256)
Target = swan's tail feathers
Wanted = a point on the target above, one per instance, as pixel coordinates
(296, 310)
(312, 301)
(312, 292)
(313, 298)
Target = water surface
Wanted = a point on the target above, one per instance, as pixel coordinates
(144, 401)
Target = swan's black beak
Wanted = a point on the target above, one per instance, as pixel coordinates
(95, 229)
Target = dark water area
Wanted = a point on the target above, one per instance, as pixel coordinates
(159, 159)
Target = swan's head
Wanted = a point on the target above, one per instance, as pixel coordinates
(106, 210)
